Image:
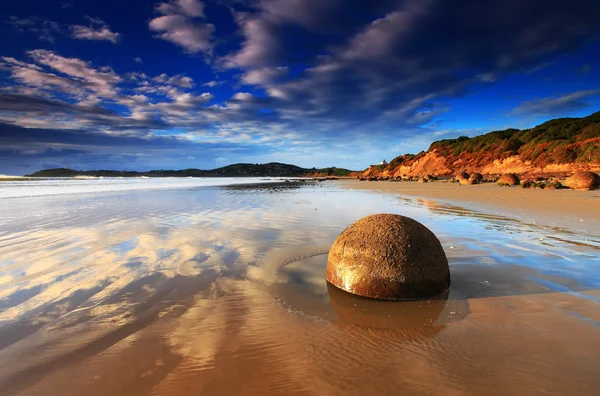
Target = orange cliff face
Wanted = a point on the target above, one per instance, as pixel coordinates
(431, 163)
(559, 146)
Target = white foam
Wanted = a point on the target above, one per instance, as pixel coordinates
(42, 187)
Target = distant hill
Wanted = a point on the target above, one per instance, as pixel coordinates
(562, 145)
(273, 169)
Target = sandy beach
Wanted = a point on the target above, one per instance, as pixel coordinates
(220, 290)
(571, 209)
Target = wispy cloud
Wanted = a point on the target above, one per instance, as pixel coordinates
(97, 30)
(295, 74)
(178, 80)
(48, 30)
(552, 106)
(182, 23)
(44, 29)
(212, 83)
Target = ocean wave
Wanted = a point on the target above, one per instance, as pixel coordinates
(83, 185)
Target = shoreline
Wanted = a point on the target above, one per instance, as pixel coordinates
(176, 291)
(570, 209)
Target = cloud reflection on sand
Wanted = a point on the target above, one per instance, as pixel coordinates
(191, 285)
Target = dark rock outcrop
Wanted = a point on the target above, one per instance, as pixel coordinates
(476, 178)
(462, 177)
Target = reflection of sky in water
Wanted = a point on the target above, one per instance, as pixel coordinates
(183, 289)
(83, 185)
(88, 249)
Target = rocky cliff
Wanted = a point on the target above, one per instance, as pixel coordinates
(559, 146)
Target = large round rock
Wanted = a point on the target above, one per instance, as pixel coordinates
(390, 257)
(509, 179)
(583, 181)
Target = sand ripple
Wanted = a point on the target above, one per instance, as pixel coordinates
(221, 291)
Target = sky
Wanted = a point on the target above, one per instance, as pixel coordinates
(176, 84)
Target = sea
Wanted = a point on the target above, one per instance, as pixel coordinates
(216, 286)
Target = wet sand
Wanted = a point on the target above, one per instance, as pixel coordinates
(221, 291)
(577, 210)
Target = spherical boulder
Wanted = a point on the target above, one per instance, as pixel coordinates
(389, 257)
(583, 181)
(423, 180)
(509, 179)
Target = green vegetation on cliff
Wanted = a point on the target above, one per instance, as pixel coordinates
(558, 141)
(333, 171)
(563, 145)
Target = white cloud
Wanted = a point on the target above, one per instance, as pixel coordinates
(42, 80)
(191, 7)
(178, 80)
(37, 98)
(188, 99)
(182, 23)
(15, 62)
(261, 44)
(380, 37)
(48, 30)
(243, 96)
(133, 100)
(96, 21)
(102, 81)
(102, 33)
(136, 76)
(137, 59)
(212, 83)
(264, 75)
(76, 77)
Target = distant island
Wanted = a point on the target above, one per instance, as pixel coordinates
(272, 169)
(558, 146)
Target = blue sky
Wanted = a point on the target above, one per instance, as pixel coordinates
(176, 84)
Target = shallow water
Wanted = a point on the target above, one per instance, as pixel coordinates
(88, 184)
(182, 290)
